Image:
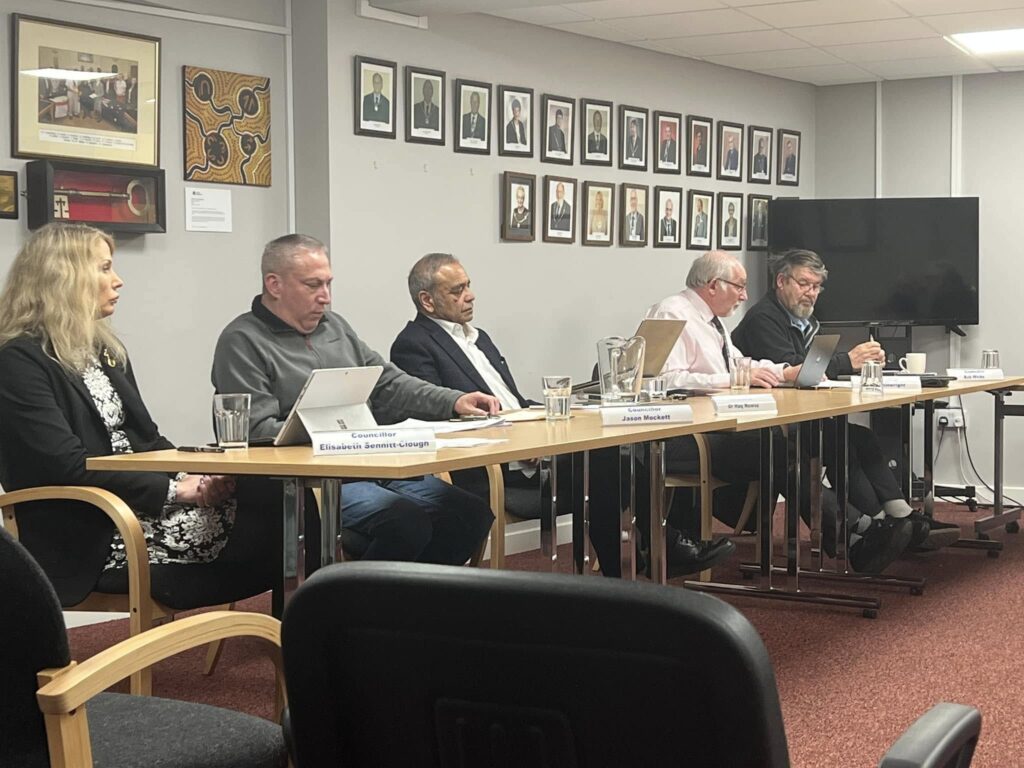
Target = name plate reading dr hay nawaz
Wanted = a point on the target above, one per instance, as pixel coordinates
(737, 404)
(646, 414)
(363, 441)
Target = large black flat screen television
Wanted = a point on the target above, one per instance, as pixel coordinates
(893, 261)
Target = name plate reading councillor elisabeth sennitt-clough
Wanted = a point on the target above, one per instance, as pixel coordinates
(737, 404)
(646, 414)
(362, 441)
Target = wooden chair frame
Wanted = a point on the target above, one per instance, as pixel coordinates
(65, 691)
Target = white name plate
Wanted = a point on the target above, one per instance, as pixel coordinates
(618, 416)
(361, 441)
(975, 374)
(744, 404)
(894, 383)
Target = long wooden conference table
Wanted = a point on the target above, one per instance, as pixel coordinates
(297, 466)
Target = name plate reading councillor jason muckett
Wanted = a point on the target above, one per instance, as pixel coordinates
(737, 404)
(361, 441)
(646, 414)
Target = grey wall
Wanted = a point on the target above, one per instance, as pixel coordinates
(844, 141)
(180, 288)
(391, 202)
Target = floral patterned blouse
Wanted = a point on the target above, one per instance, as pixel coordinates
(182, 533)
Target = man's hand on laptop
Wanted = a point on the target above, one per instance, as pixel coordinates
(477, 404)
(763, 377)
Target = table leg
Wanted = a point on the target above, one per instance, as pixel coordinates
(659, 564)
(794, 473)
(627, 517)
(766, 508)
(582, 555)
(906, 450)
(928, 474)
(549, 519)
(1000, 516)
(293, 544)
(330, 522)
(813, 486)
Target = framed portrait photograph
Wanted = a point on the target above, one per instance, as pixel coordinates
(557, 116)
(668, 204)
(8, 194)
(84, 93)
(698, 158)
(700, 215)
(559, 209)
(472, 105)
(757, 226)
(633, 138)
(597, 227)
(596, 139)
(759, 154)
(730, 151)
(730, 221)
(424, 105)
(374, 89)
(518, 202)
(516, 105)
(789, 157)
(633, 216)
(665, 134)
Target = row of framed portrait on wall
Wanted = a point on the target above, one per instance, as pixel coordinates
(664, 225)
(646, 139)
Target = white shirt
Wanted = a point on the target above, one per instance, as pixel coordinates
(465, 336)
(696, 358)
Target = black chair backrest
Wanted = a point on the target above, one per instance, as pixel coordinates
(407, 664)
(33, 638)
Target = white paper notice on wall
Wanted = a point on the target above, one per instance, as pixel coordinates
(207, 210)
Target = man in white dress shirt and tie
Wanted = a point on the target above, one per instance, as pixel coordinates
(634, 220)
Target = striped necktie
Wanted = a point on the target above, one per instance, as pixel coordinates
(725, 346)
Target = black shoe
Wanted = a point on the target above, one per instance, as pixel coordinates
(687, 555)
(880, 544)
(936, 536)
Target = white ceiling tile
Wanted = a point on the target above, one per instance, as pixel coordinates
(976, 22)
(656, 45)
(927, 47)
(686, 24)
(934, 67)
(1004, 61)
(736, 42)
(616, 9)
(864, 32)
(597, 29)
(545, 15)
(801, 57)
(935, 7)
(811, 12)
(834, 74)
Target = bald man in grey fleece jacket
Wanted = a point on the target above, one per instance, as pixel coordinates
(270, 351)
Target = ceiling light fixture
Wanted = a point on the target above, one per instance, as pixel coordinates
(997, 41)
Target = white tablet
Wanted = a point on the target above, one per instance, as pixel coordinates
(331, 399)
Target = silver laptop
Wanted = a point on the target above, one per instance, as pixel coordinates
(331, 399)
(659, 336)
(818, 357)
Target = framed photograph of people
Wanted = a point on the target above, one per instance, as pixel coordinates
(515, 136)
(700, 215)
(789, 158)
(518, 197)
(730, 151)
(666, 127)
(730, 221)
(374, 90)
(698, 133)
(633, 138)
(559, 209)
(85, 93)
(8, 194)
(424, 105)
(597, 227)
(668, 204)
(596, 140)
(633, 216)
(558, 115)
(472, 107)
(759, 154)
(757, 227)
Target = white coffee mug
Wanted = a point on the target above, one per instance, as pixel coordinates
(914, 362)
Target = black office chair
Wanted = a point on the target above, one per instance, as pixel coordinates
(82, 726)
(415, 665)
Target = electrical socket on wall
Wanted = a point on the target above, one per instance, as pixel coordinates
(949, 418)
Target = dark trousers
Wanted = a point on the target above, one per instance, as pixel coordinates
(871, 482)
(525, 497)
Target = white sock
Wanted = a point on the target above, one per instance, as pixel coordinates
(854, 538)
(862, 525)
(897, 508)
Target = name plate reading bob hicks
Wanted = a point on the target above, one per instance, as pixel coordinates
(737, 404)
(646, 414)
(362, 441)
(975, 374)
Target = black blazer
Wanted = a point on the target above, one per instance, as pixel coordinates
(766, 332)
(49, 425)
(424, 349)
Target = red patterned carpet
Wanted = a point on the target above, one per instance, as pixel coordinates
(848, 685)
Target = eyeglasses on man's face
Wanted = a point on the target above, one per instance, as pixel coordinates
(741, 287)
(808, 286)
